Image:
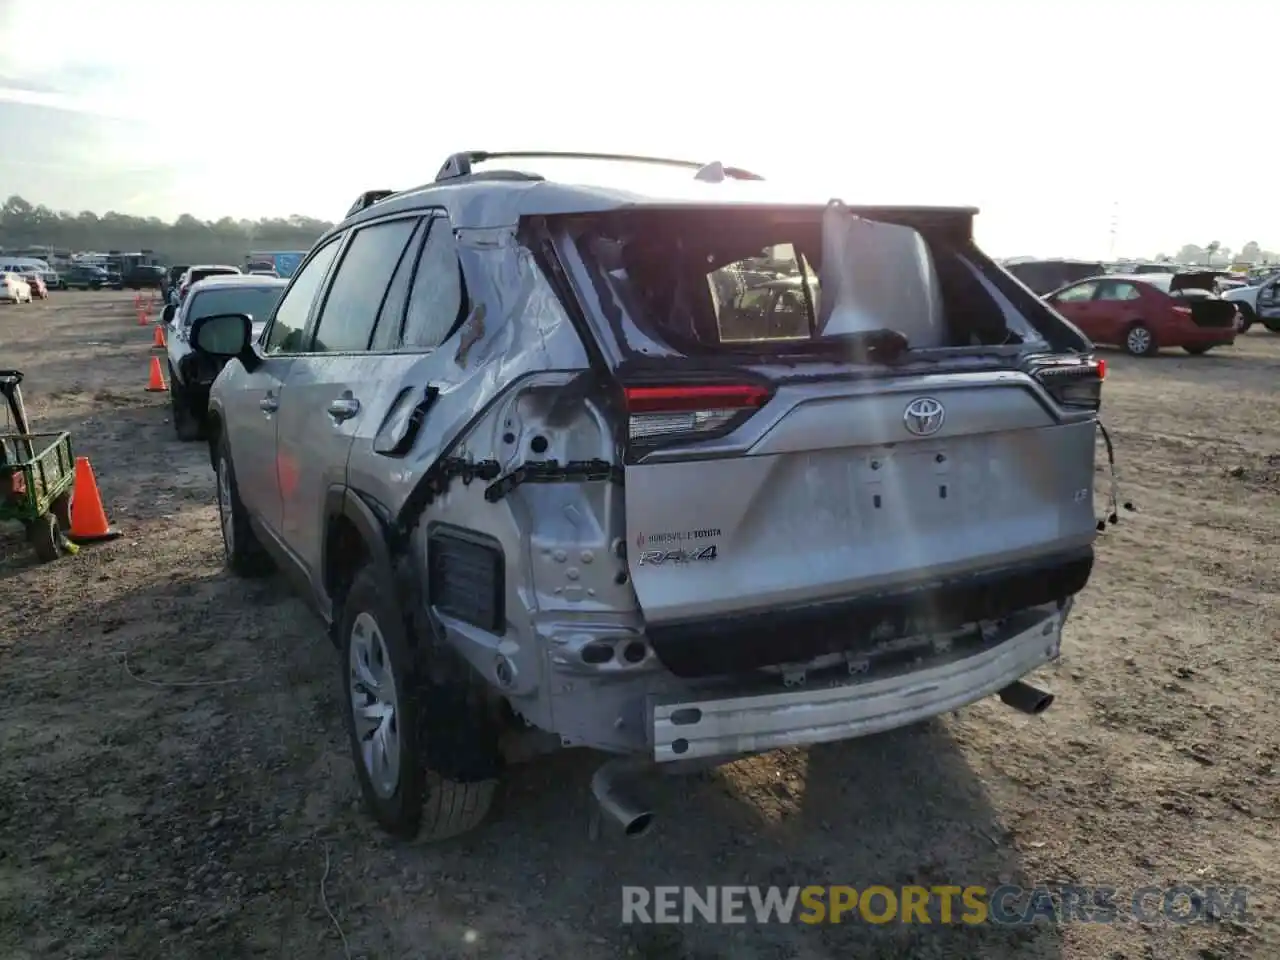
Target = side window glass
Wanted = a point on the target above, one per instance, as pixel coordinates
(351, 308)
(386, 334)
(436, 299)
(1083, 291)
(290, 320)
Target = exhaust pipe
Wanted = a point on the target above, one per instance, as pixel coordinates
(1026, 698)
(614, 801)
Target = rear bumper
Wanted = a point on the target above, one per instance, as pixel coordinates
(684, 729)
(737, 644)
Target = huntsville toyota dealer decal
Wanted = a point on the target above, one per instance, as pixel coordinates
(672, 554)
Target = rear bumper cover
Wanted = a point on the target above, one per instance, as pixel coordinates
(685, 729)
(730, 645)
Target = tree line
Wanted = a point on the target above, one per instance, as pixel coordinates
(1218, 255)
(185, 240)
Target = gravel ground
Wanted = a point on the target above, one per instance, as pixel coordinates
(175, 781)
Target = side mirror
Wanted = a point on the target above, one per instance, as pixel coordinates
(223, 335)
(167, 317)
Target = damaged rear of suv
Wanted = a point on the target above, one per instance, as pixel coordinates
(694, 474)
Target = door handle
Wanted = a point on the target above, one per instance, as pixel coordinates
(344, 408)
(269, 404)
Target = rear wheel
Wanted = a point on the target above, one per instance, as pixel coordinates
(45, 536)
(392, 710)
(1140, 341)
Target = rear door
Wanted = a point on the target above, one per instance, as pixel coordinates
(333, 384)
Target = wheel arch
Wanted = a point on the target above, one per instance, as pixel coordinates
(213, 433)
(355, 533)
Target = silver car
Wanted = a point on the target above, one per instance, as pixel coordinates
(552, 479)
(190, 372)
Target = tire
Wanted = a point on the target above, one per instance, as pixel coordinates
(1199, 351)
(61, 509)
(383, 673)
(1247, 317)
(241, 551)
(45, 536)
(1139, 341)
(186, 423)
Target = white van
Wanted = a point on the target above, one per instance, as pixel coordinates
(25, 265)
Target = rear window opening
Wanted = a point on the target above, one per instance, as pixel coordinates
(790, 283)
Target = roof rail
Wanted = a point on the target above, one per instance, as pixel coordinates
(460, 164)
(368, 199)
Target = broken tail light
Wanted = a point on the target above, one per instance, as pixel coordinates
(1075, 384)
(681, 413)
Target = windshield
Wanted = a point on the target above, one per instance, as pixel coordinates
(257, 302)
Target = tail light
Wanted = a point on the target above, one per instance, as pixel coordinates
(1076, 383)
(683, 413)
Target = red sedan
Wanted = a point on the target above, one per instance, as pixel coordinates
(39, 291)
(1147, 312)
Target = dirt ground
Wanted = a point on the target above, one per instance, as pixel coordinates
(175, 782)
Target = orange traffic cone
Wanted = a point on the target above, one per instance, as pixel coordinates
(155, 383)
(158, 340)
(88, 518)
(142, 316)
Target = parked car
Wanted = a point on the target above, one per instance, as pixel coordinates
(1259, 303)
(39, 289)
(1045, 276)
(144, 277)
(497, 433)
(14, 289)
(1143, 313)
(81, 277)
(194, 275)
(191, 373)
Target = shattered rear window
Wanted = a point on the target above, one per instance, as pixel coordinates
(775, 282)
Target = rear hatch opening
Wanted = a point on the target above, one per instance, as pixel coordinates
(746, 285)
(1197, 291)
(824, 405)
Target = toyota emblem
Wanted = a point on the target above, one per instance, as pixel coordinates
(924, 416)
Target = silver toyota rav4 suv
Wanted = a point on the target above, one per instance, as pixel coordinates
(676, 474)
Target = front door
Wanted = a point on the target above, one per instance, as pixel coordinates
(1076, 304)
(333, 384)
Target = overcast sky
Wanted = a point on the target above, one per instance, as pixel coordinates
(1055, 118)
